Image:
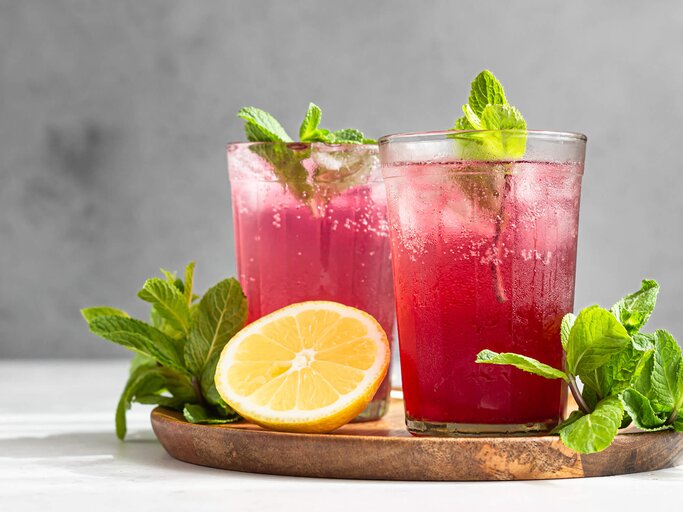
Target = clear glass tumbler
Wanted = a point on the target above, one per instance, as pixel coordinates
(484, 257)
(310, 224)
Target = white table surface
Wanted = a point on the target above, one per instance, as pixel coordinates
(58, 451)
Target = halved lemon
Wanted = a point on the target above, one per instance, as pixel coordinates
(309, 367)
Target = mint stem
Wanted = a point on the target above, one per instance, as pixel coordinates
(583, 406)
(498, 285)
(674, 414)
(198, 391)
(672, 418)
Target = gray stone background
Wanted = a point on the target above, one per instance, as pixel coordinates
(114, 115)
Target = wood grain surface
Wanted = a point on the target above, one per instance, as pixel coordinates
(384, 450)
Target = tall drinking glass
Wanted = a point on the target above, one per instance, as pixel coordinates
(484, 257)
(310, 224)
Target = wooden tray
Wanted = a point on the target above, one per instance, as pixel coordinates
(384, 450)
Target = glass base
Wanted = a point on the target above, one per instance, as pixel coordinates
(374, 411)
(444, 429)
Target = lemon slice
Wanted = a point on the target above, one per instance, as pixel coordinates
(309, 367)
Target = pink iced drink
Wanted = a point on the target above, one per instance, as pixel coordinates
(484, 258)
(331, 246)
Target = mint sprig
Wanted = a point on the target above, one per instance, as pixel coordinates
(499, 137)
(177, 353)
(627, 376)
(286, 156)
(262, 127)
(488, 109)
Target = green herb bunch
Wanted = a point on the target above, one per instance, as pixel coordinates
(177, 351)
(627, 375)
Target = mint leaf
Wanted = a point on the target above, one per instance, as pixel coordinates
(348, 136)
(310, 131)
(141, 360)
(207, 384)
(616, 374)
(262, 127)
(255, 133)
(524, 363)
(678, 424)
(590, 395)
(321, 135)
(189, 284)
(146, 384)
(485, 90)
(179, 386)
(640, 410)
(463, 124)
(488, 109)
(511, 139)
(595, 431)
(642, 377)
(472, 117)
(140, 337)
(643, 371)
(143, 381)
(170, 402)
(222, 312)
(195, 413)
(643, 341)
(157, 319)
(594, 338)
(287, 167)
(89, 314)
(659, 378)
(666, 377)
(502, 117)
(169, 303)
(172, 278)
(634, 310)
(573, 417)
(309, 125)
(566, 327)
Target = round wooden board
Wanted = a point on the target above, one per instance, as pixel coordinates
(384, 450)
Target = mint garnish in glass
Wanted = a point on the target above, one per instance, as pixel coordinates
(286, 156)
(488, 109)
(493, 136)
(262, 127)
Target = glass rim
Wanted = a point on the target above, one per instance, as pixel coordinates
(444, 134)
(300, 145)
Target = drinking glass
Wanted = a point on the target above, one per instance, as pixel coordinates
(310, 224)
(484, 257)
